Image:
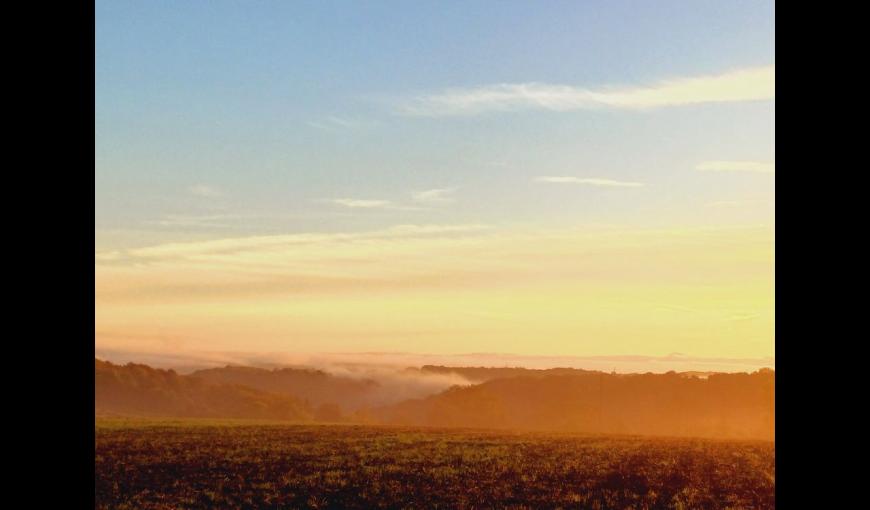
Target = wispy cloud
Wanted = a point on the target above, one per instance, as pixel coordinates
(196, 250)
(434, 196)
(473, 247)
(333, 123)
(370, 204)
(204, 190)
(198, 221)
(589, 181)
(356, 203)
(741, 85)
(737, 166)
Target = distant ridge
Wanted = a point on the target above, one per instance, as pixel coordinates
(140, 390)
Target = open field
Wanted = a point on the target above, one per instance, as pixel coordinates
(165, 464)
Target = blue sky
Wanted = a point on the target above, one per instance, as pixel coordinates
(281, 106)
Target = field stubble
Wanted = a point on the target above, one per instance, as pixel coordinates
(178, 464)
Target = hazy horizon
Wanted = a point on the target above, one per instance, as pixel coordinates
(341, 362)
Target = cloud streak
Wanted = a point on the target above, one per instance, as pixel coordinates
(207, 221)
(205, 191)
(362, 204)
(592, 181)
(197, 250)
(434, 196)
(753, 84)
(333, 123)
(357, 203)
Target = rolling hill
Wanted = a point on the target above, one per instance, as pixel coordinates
(737, 405)
(140, 390)
(722, 405)
(316, 387)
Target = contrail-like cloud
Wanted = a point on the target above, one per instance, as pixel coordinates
(752, 84)
(430, 196)
(610, 183)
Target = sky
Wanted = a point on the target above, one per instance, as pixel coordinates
(563, 181)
